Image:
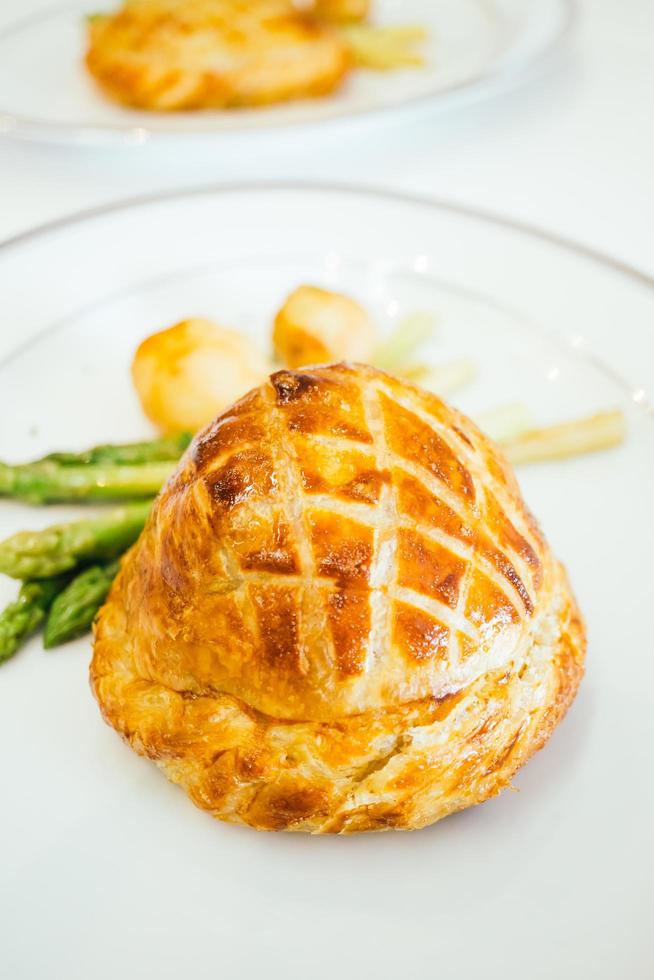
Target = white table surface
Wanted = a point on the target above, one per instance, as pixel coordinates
(570, 150)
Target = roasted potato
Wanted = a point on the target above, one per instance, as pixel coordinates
(316, 326)
(187, 374)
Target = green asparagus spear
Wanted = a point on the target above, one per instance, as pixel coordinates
(75, 607)
(20, 618)
(126, 454)
(105, 472)
(49, 482)
(42, 554)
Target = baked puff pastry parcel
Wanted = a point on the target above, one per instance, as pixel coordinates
(341, 615)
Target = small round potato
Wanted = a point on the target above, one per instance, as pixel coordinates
(187, 374)
(316, 326)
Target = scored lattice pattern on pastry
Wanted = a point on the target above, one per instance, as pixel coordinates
(340, 616)
(337, 542)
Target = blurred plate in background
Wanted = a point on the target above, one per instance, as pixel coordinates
(474, 47)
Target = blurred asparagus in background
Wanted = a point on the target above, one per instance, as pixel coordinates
(384, 48)
(587, 435)
(442, 379)
(513, 428)
(395, 351)
(506, 422)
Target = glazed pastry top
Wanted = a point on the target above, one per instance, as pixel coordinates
(336, 543)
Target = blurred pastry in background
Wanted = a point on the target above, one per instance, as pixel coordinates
(341, 11)
(218, 54)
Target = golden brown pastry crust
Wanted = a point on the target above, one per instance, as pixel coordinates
(167, 55)
(341, 11)
(341, 615)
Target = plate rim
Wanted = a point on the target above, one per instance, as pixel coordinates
(484, 84)
(633, 274)
(489, 217)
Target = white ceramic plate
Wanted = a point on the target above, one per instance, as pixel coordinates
(474, 47)
(107, 869)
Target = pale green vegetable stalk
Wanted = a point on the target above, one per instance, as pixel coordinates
(443, 379)
(506, 422)
(587, 435)
(408, 335)
(384, 48)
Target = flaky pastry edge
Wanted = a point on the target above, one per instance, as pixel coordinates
(400, 768)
